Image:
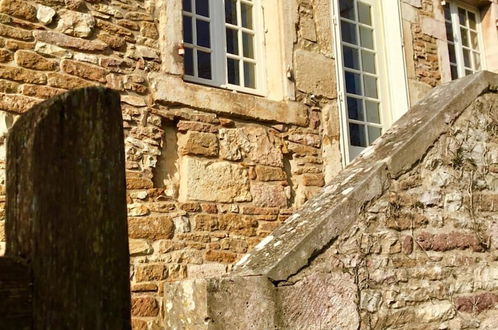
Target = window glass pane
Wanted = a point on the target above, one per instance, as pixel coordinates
(447, 13)
(187, 5)
(204, 64)
(202, 7)
(449, 31)
(451, 51)
(203, 35)
(373, 115)
(232, 41)
(454, 72)
(366, 37)
(462, 17)
(231, 11)
(248, 45)
(477, 61)
(466, 58)
(472, 20)
(368, 61)
(346, 8)
(364, 15)
(187, 29)
(351, 57)
(468, 72)
(474, 41)
(355, 109)
(357, 135)
(353, 83)
(249, 75)
(233, 71)
(370, 86)
(373, 133)
(246, 15)
(188, 61)
(465, 37)
(348, 32)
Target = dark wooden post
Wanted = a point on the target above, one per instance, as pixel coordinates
(66, 210)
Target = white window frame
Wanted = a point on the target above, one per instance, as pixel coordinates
(219, 49)
(457, 38)
(391, 66)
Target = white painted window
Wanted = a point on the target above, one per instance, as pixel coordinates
(464, 39)
(371, 74)
(222, 44)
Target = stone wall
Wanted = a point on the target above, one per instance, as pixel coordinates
(403, 238)
(423, 256)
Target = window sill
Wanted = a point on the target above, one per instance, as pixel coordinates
(173, 90)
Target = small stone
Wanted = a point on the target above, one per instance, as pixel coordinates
(8, 86)
(158, 227)
(206, 270)
(32, 60)
(220, 256)
(22, 75)
(139, 247)
(44, 14)
(182, 224)
(198, 143)
(16, 103)
(151, 272)
(53, 50)
(5, 56)
(83, 70)
(18, 8)
(75, 24)
(67, 82)
(268, 173)
(268, 195)
(115, 42)
(144, 306)
(63, 40)
(133, 100)
(43, 92)
(14, 33)
(149, 30)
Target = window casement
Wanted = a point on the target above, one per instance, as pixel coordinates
(222, 44)
(371, 94)
(464, 39)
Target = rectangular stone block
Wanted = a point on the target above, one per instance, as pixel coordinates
(210, 181)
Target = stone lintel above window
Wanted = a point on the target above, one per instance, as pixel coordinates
(171, 90)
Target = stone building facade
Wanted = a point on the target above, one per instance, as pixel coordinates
(213, 168)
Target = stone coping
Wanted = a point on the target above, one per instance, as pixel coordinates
(172, 90)
(322, 219)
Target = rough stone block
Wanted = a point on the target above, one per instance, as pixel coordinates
(267, 173)
(206, 180)
(32, 60)
(154, 228)
(255, 143)
(224, 303)
(268, 195)
(198, 143)
(75, 24)
(145, 306)
(315, 73)
(18, 8)
(84, 70)
(321, 301)
(63, 40)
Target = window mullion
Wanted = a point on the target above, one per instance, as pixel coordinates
(240, 44)
(457, 38)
